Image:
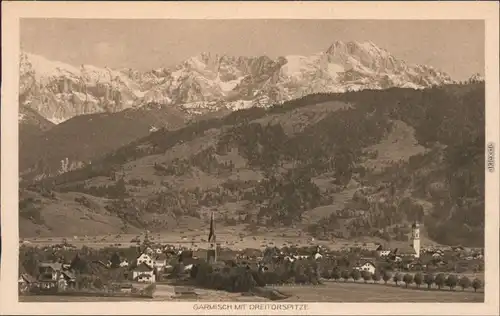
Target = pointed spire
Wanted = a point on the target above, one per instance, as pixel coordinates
(211, 235)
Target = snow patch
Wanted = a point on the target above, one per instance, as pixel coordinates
(334, 69)
(48, 68)
(196, 63)
(55, 120)
(85, 97)
(411, 85)
(227, 86)
(297, 65)
(240, 105)
(139, 94)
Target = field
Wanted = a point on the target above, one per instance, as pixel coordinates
(163, 293)
(351, 292)
(334, 292)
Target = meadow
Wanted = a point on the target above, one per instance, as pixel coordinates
(360, 292)
(332, 292)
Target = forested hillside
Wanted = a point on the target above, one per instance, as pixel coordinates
(362, 163)
(86, 137)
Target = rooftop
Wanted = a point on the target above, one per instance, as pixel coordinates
(161, 256)
(54, 265)
(143, 268)
(28, 278)
(404, 250)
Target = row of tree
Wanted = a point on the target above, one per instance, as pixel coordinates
(440, 280)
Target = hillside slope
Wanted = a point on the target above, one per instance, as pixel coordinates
(85, 137)
(31, 124)
(343, 165)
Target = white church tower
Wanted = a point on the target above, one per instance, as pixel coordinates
(415, 237)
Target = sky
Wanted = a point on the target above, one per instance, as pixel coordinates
(453, 46)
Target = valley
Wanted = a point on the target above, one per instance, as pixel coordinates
(336, 166)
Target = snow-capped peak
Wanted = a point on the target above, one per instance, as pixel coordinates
(45, 68)
(209, 82)
(59, 91)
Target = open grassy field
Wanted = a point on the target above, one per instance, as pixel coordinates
(329, 292)
(163, 292)
(360, 292)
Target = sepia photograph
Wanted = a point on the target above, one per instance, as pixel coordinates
(252, 160)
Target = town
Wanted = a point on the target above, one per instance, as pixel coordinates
(62, 269)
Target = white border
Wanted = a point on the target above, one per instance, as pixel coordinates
(12, 11)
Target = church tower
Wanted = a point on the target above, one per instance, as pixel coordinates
(415, 237)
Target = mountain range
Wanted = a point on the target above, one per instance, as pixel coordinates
(348, 143)
(209, 82)
(125, 104)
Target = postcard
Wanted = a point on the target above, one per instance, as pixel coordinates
(250, 158)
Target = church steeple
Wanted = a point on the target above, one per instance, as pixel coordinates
(415, 237)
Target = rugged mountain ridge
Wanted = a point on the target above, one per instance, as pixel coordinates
(211, 82)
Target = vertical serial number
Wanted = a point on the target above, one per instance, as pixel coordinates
(491, 157)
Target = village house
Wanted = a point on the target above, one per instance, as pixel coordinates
(26, 282)
(144, 273)
(49, 271)
(47, 285)
(62, 284)
(382, 252)
(417, 266)
(124, 263)
(160, 261)
(69, 278)
(437, 254)
(101, 264)
(52, 276)
(405, 251)
(478, 256)
(367, 266)
(188, 267)
(300, 257)
(149, 251)
(317, 254)
(370, 246)
(458, 248)
(145, 258)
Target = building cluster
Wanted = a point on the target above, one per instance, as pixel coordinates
(156, 260)
(152, 263)
(51, 277)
